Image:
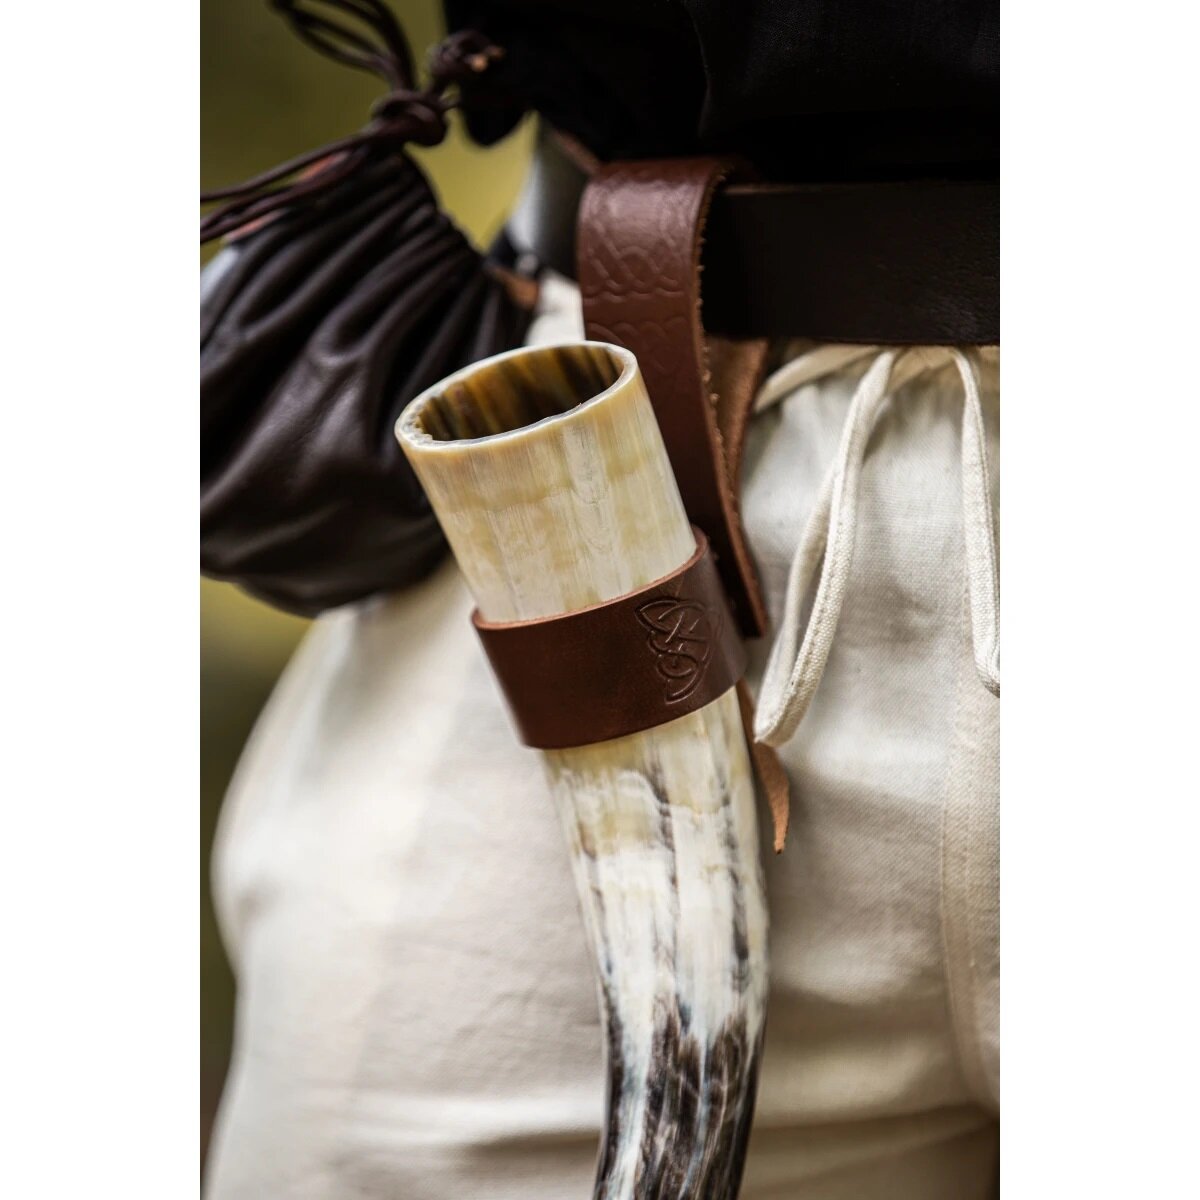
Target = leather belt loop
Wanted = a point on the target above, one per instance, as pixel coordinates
(641, 232)
(620, 667)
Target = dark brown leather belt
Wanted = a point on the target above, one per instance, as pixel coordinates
(903, 263)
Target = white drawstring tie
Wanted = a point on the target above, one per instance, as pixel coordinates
(796, 664)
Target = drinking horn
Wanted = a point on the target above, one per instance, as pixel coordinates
(547, 471)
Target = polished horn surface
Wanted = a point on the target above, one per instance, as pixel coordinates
(547, 471)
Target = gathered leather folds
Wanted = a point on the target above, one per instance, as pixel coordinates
(316, 329)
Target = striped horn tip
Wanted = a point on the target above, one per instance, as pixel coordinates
(662, 832)
(548, 473)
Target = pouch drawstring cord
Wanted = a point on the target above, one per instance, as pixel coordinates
(796, 663)
(406, 115)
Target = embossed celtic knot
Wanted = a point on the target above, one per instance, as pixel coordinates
(682, 634)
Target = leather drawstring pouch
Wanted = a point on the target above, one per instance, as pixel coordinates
(341, 292)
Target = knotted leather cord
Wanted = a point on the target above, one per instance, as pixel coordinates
(796, 663)
(404, 115)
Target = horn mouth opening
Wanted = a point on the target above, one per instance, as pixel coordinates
(515, 391)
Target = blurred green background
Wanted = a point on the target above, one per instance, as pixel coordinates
(265, 96)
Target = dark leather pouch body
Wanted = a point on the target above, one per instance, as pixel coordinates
(315, 330)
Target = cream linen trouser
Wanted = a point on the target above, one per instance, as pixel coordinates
(417, 1017)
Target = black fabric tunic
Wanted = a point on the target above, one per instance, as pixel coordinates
(807, 89)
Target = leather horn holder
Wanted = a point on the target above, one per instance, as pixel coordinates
(617, 668)
(653, 655)
(640, 244)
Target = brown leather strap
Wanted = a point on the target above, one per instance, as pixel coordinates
(620, 667)
(771, 774)
(641, 230)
